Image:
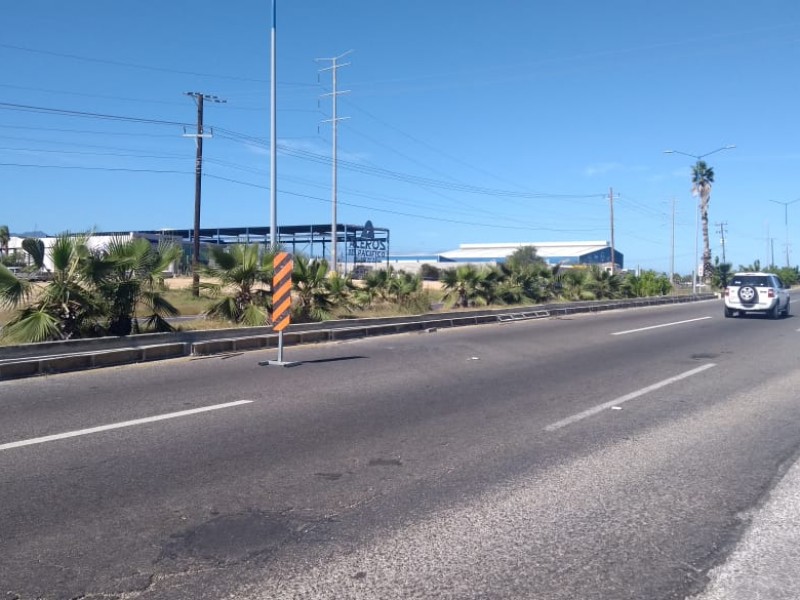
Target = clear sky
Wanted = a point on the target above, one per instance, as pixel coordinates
(503, 121)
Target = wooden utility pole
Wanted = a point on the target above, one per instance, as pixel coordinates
(198, 182)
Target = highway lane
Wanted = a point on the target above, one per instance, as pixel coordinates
(416, 465)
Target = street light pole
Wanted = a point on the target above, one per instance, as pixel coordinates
(698, 157)
(786, 222)
(273, 139)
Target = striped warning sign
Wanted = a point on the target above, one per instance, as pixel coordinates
(282, 291)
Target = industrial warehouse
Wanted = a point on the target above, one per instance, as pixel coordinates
(365, 246)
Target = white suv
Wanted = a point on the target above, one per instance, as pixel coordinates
(756, 292)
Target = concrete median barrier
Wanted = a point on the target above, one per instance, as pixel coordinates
(54, 357)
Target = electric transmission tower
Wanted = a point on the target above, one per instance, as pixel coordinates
(334, 121)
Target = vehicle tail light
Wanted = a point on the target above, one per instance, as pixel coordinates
(770, 293)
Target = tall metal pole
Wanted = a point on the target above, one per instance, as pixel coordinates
(786, 223)
(672, 254)
(695, 270)
(611, 206)
(273, 139)
(335, 65)
(334, 188)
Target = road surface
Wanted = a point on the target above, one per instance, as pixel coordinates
(622, 455)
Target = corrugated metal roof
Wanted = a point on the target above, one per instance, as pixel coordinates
(543, 249)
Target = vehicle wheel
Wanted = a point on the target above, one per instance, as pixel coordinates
(748, 294)
(786, 310)
(774, 312)
(728, 312)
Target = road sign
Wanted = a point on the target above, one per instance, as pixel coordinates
(283, 266)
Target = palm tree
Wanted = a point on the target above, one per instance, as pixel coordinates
(35, 249)
(343, 292)
(5, 238)
(722, 273)
(603, 284)
(467, 285)
(376, 286)
(128, 275)
(702, 178)
(244, 292)
(314, 299)
(67, 307)
(403, 288)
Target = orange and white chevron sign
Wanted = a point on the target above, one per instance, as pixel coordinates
(282, 291)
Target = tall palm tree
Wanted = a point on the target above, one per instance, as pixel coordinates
(5, 238)
(244, 292)
(702, 178)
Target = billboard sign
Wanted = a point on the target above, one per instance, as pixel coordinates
(367, 248)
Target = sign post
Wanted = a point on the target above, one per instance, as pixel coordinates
(283, 266)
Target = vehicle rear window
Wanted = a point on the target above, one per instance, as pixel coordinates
(754, 280)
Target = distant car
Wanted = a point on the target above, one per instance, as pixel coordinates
(756, 292)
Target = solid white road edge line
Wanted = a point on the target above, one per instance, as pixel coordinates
(70, 434)
(662, 325)
(601, 407)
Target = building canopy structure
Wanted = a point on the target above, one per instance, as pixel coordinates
(553, 253)
(364, 244)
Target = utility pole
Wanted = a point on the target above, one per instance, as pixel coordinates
(335, 66)
(721, 231)
(198, 181)
(772, 251)
(672, 254)
(611, 206)
(786, 223)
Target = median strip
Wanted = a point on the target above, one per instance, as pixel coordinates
(80, 432)
(601, 407)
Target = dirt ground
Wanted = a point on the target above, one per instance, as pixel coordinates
(180, 283)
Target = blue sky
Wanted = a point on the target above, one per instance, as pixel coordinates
(504, 121)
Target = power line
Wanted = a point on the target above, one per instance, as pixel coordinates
(404, 214)
(84, 114)
(116, 63)
(81, 168)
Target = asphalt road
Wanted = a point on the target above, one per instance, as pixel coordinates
(621, 455)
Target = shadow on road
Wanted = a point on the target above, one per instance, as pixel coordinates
(327, 360)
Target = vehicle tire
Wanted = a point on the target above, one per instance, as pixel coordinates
(774, 312)
(748, 294)
(786, 310)
(728, 312)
